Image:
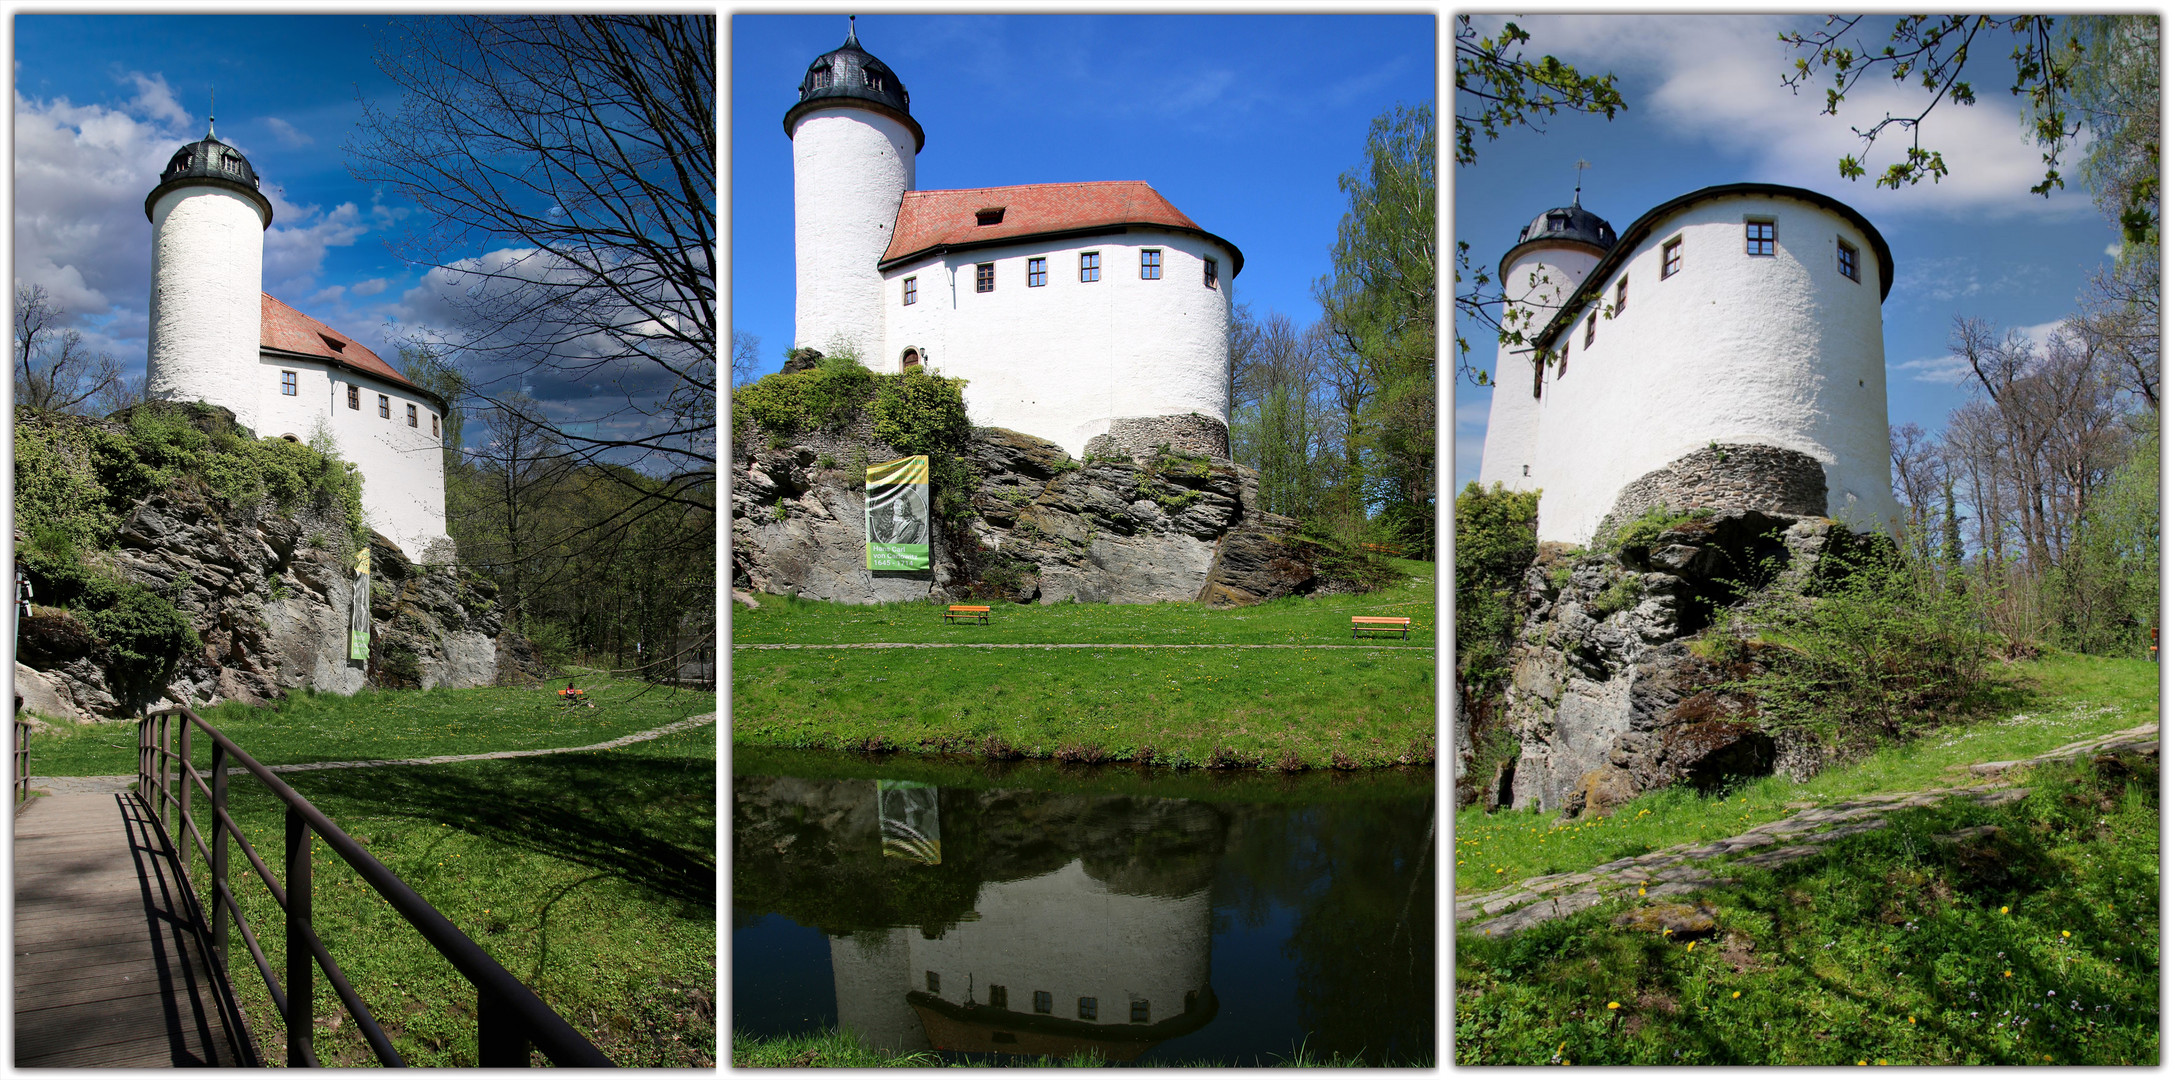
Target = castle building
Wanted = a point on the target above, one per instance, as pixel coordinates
(216, 336)
(1091, 314)
(1724, 352)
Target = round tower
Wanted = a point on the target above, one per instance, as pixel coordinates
(1538, 275)
(853, 158)
(207, 275)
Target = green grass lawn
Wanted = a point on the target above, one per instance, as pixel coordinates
(1284, 707)
(2047, 703)
(837, 1050)
(1324, 620)
(378, 724)
(591, 877)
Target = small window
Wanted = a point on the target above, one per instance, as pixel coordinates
(989, 215)
(1846, 260)
(996, 997)
(385, 407)
(1759, 238)
(875, 81)
(411, 416)
(1208, 272)
(1038, 273)
(1623, 298)
(1590, 321)
(985, 277)
(354, 397)
(1087, 1008)
(1091, 266)
(1151, 264)
(820, 79)
(434, 425)
(1672, 257)
(931, 978)
(1140, 1012)
(912, 290)
(287, 383)
(1042, 1002)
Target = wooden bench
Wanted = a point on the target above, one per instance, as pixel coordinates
(1381, 624)
(977, 612)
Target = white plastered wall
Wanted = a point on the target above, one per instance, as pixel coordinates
(1062, 360)
(850, 168)
(404, 482)
(1783, 351)
(1071, 936)
(207, 270)
(1538, 281)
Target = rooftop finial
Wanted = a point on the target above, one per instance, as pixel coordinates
(1582, 166)
(850, 38)
(211, 118)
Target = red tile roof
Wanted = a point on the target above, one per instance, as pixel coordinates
(933, 220)
(292, 331)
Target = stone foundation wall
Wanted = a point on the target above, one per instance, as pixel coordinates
(1190, 434)
(1732, 477)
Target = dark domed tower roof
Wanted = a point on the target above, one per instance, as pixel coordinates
(1573, 224)
(211, 162)
(849, 76)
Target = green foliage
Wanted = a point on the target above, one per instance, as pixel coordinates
(1643, 530)
(826, 398)
(925, 414)
(2105, 595)
(1500, 90)
(1495, 544)
(1881, 651)
(1621, 595)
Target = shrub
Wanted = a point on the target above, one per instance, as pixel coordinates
(1495, 544)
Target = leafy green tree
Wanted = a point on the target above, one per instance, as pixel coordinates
(1495, 544)
(2106, 593)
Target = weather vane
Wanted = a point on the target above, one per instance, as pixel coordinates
(1576, 187)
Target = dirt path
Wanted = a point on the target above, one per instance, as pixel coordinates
(101, 785)
(1011, 645)
(1671, 871)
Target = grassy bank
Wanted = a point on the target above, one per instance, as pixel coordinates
(1290, 708)
(836, 1050)
(378, 724)
(2046, 703)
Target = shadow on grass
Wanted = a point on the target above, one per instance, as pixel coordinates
(647, 821)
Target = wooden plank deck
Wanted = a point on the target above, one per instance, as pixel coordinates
(109, 969)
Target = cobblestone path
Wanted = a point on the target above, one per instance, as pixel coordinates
(105, 785)
(1671, 871)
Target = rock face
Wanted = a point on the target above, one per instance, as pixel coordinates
(1043, 527)
(1607, 698)
(269, 593)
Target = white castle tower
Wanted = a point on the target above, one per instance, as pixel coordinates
(1538, 275)
(207, 272)
(853, 159)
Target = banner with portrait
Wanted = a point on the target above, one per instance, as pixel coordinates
(898, 514)
(358, 610)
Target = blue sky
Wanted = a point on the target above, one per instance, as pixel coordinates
(101, 102)
(1706, 106)
(1243, 122)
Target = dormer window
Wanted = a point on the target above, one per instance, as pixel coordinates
(820, 78)
(1559, 223)
(875, 82)
(989, 215)
(333, 343)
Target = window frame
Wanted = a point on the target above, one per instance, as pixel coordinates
(411, 415)
(1091, 266)
(289, 384)
(1045, 1002)
(385, 407)
(1208, 273)
(1038, 272)
(1151, 264)
(1139, 1011)
(354, 397)
(1753, 242)
(985, 277)
(1088, 1008)
(1846, 258)
(1672, 257)
(1592, 318)
(910, 291)
(998, 997)
(1623, 293)
(434, 427)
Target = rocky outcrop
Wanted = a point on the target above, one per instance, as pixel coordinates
(1608, 697)
(268, 594)
(1041, 526)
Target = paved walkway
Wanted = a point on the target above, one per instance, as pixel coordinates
(1671, 871)
(1030, 645)
(109, 970)
(60, 785)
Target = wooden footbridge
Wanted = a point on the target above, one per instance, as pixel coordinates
(117, 964)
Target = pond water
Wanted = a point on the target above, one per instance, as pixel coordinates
(989, 911)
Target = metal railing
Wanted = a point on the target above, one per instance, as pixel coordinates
(509, 1016)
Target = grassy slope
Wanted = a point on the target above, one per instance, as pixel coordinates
(389, 724)
(1169, 706)
(835, 1049)
(590, 876)
(1896, 947)
(2052, 701)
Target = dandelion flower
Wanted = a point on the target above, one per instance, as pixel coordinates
(2004, 909)
(1642, 892)
(1736, 994)
(1688, 945)
(2004, 974)
(1861, 1061)
(1614, 1005)
(1911, 1019)
(2065, 933)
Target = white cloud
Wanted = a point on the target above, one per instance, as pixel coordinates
(1719, 79)
(327, 295)
(1945, 370)
(372, 287)
(288, 133)
(155, 99)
